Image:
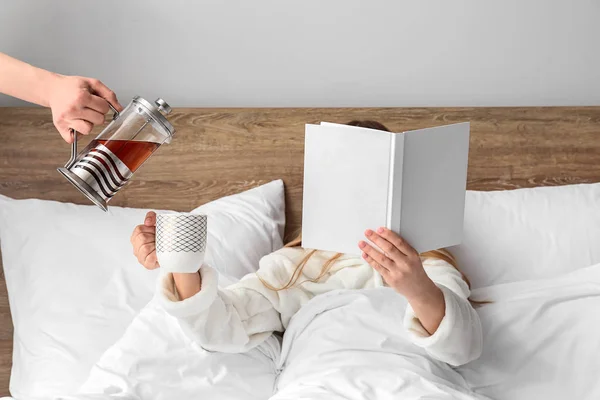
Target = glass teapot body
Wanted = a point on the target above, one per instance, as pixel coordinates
(108, 162)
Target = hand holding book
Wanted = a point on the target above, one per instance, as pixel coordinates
(401, 268)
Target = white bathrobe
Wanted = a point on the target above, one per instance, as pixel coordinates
(244, 315)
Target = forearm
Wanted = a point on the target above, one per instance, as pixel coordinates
(24, 81)
(429, 307)
(231, 320)
(457, 338)
(187, 285)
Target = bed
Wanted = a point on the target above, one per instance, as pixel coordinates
(218, 152)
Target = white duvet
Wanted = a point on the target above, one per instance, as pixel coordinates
(540, 341)
(155, 360)
(353, 345)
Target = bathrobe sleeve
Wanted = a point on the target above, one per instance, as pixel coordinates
(458, 338)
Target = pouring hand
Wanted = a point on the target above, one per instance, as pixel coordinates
(79, 103)
(143, 240)
(76, 102)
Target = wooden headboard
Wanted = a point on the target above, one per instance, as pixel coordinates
(217, 152)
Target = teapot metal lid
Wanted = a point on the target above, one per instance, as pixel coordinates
(154, 112)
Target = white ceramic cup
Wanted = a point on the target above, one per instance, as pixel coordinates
(181, 241)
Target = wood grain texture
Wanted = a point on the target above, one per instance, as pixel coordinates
(5, 365)
(217, 152)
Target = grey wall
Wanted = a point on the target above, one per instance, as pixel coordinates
(318, 52)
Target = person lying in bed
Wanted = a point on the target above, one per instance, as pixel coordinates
(439, 317)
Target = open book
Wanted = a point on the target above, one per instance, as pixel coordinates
(413, 183)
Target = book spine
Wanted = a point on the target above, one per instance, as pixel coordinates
(395, 185)
(390, 199)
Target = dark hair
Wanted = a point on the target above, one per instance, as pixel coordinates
(369, 124)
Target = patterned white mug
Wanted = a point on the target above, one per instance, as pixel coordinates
(181, 241)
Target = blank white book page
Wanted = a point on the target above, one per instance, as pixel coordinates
(333, 174)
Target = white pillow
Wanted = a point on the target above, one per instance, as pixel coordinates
(533, 233)
(74, 284)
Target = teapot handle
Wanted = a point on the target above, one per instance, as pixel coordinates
(73, 158)
(71, 161)
(114, 110)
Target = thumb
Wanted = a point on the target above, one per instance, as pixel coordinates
(150, 219)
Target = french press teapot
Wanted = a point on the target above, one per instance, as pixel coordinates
(106, 164)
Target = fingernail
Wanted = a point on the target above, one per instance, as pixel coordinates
(364, 255)
(379, 230)
(361, 244)
(147, 220)
(368, 232)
